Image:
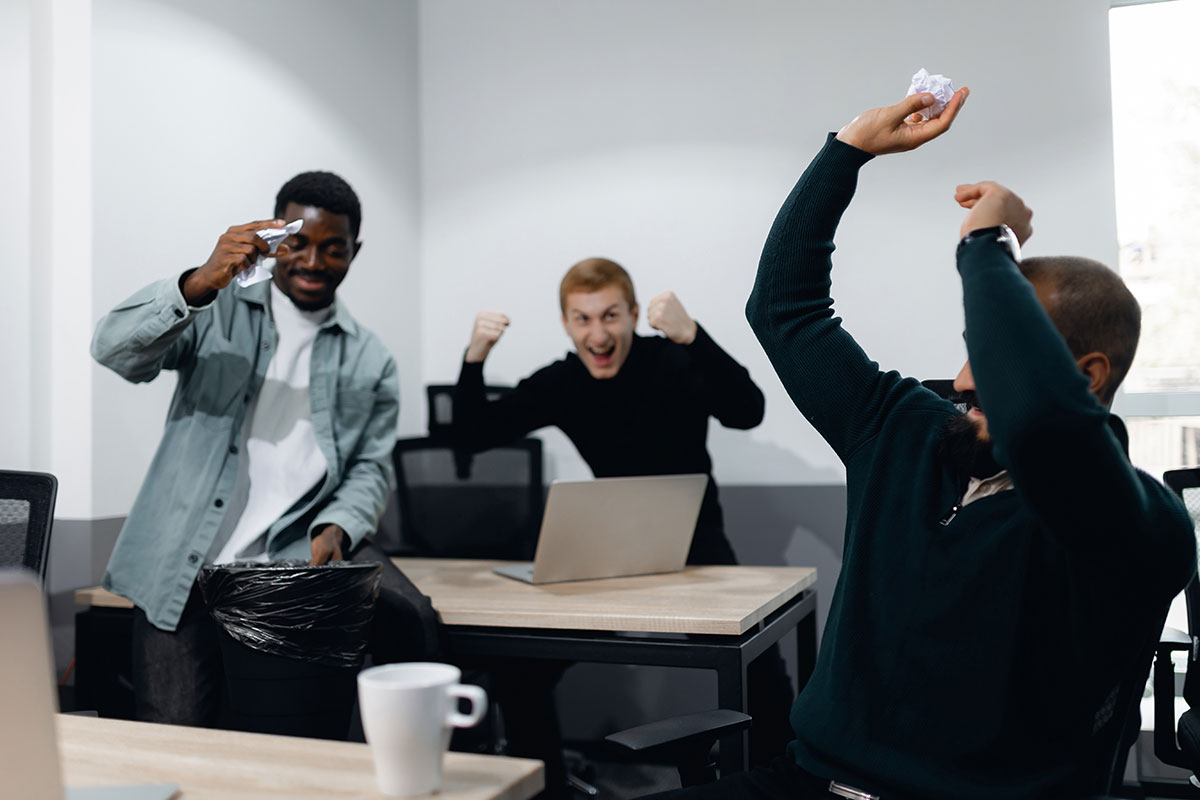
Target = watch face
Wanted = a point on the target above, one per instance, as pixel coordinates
(1009, 237)
(1002, 234)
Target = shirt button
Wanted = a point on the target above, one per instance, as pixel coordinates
(245, 398)
(179, 313)
(266, 346)
(233, 449)
(218, 502)
(193, 558)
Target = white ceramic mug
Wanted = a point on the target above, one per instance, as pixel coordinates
(408, 712)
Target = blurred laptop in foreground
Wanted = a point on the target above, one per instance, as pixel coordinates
(28, 746)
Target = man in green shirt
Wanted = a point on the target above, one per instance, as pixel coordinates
(278, 440)
(1006, 571)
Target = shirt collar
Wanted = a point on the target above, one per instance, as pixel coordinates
(261, 291)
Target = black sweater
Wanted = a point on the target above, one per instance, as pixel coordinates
(973, 659)
(649, 419)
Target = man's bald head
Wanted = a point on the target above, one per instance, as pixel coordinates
(1092, 308)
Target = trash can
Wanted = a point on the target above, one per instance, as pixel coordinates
(292, 640)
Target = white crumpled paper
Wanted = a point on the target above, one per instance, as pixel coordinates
(272, 236)
(941, 87)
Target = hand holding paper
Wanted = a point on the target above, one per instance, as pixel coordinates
(941, 87)
(272, 236)
(239, 248)
(895, 129)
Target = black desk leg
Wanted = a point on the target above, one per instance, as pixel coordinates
(731, 693)
(806, 649)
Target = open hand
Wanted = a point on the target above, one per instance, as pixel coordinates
(895, 129)
(991, 204)
(236, 250)
(665, 313)
(489, 327)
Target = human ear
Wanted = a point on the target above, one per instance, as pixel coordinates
(1096, 367)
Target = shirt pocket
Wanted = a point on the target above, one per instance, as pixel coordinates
(218, 388)
(352, 415)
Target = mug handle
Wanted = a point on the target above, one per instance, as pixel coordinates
(478, 698)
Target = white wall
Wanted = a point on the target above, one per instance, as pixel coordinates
(15, 320)
(665, 135)
(202, 111)
(662, 134)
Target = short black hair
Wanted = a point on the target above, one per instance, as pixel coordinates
(1093, 309)
(322, 190)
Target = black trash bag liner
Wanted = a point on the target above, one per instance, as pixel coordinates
(318, 614)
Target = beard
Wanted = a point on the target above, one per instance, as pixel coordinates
(961, 447)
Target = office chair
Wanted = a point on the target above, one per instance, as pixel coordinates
(493, 511)
(26, 517)
(440, 406)
(1180, 748)
(687, 743)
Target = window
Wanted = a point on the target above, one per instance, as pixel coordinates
(1156, 113)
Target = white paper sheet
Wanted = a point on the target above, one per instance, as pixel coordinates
(259, 272)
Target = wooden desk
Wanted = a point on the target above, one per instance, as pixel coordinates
(726, 601)
(718, 618)
(234, 766)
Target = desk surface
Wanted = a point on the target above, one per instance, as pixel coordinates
(720, 600)
(232, 766)
(714, 600)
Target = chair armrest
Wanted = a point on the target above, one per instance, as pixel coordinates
(682, 730)
(1166, 746)
(1174, 639)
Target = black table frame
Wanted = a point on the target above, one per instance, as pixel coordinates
(727, 655)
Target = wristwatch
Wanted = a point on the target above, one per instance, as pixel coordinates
(998, 233)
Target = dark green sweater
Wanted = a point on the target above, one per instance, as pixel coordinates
(973, 659)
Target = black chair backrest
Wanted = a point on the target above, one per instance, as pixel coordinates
(1186, 483)
(942, 387)
(26, 516)
(1118, 722)
(440, 404)
(493, 511)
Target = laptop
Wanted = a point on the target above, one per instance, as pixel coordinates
(614, 527)
(28, 744)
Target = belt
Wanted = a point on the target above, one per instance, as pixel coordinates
(842, 790)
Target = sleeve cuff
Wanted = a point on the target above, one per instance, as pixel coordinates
(703, 341)
(182, 301)
(471, 371)
(846, 151)
(355, 533)
(984, 254)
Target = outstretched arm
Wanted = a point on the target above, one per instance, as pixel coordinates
(153, 329)
(827, 375)
(480, 423)
(722, 384)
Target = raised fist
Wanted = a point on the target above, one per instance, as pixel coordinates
(489, 327)
(665, 313)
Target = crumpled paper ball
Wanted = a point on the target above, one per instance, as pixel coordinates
(941, 87)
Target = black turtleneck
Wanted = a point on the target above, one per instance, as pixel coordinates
(649, 419)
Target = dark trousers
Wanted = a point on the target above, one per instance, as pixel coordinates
(524, 690)
(779, 780)
(405, 626)
(178, 676)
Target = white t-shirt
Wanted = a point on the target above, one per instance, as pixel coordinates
(281, 460)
